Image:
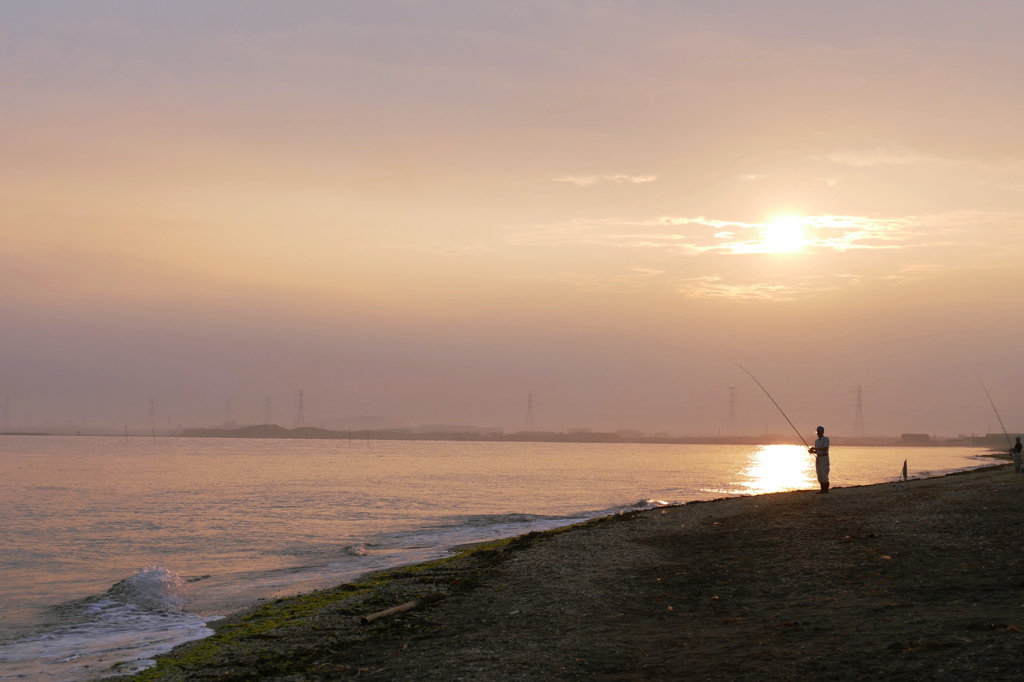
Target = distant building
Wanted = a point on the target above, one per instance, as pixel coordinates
(629, 433)
(915, 438)
(580, 431)
(989, 440)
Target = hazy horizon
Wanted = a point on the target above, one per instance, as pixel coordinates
(422, 211)
(162, 424)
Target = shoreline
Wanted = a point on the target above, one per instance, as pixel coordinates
(865, 581)
(273, 432)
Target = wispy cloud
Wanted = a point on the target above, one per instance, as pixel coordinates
(915, 272)
(1009, 166)
(588, 180)
(967, 238)
(707, 286)
(865, 158)
(702, 235)
(715, 286)
(647, 272)
(636, 279)
(438, 250)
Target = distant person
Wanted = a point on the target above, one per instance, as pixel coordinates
(1016, 456)
(821, 465)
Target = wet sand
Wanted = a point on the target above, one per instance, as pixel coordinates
(864, 583)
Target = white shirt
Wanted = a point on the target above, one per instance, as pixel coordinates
(821, 446)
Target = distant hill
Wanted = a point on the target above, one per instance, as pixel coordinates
(622, 436)
(264, 431)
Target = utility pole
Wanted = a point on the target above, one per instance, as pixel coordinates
(858, 419)
(732, 410)
(300, 416)
(529, 410)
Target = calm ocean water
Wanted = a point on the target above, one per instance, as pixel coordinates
(111, 552)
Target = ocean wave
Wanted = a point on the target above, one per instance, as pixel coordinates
(641, 505)
(153, 588)
(119, 631)
(511, 518)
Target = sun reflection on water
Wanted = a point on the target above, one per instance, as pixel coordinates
(774, 468)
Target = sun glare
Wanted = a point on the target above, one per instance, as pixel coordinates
(774, 468)
(784, 235)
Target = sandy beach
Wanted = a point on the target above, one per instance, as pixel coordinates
(864, 583)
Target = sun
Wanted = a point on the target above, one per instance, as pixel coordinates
(784, 235)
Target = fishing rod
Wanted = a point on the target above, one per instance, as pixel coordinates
(994, 410)
(773, 401)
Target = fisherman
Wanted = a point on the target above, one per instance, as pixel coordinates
(1016, 452)
(820, 452)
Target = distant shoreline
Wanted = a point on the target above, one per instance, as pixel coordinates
(273, 431)
(313, 433)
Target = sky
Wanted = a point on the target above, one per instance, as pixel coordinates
(422, 210)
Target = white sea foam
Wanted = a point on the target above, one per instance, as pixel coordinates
(153, 588)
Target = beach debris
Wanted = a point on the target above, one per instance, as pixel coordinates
(402, 608)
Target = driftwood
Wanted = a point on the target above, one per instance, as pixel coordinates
(402, 608)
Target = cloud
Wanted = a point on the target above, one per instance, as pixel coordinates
(588, 180)
(899, 156)
(578, 180)
(823, 233)
(715, 286)
(634, 179)
(637, 279)
(881, 249)
(865, 158)
(702, 235)
(438, 250)
(975, 263)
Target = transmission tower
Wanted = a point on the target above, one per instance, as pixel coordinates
(266, 410)
(300, 416)
(858, 419)
(529, 410)
(152, 414)
(732, 410)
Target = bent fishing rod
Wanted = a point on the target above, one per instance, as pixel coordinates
(775, 403)
(994, 410)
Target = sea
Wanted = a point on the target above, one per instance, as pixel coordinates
(113, 550)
